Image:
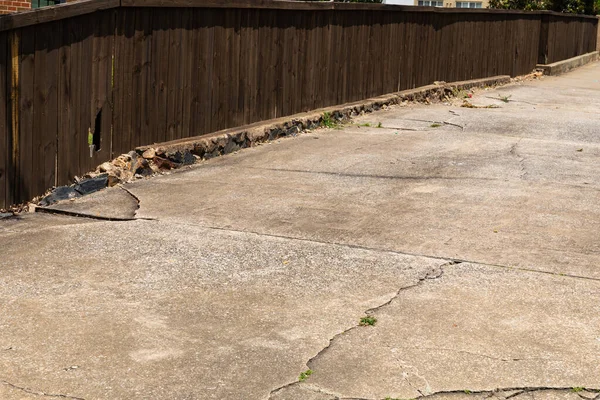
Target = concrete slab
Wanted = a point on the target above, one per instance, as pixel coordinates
(490, 327)
(444, 192)
(110, 204)
(146, 309)
(252, 268)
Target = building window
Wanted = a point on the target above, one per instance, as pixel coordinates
(468, 4)
(430, 3)
(45, 3)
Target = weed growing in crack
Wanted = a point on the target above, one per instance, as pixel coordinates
(366, 125)
(467, 391)
(368, 321)
(380, 125)
(435, 125)
(328, 121)
(304, 375)
(577, 389)
(504, 99)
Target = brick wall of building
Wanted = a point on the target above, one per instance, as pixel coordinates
(10, 6)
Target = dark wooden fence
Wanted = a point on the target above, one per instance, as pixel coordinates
(134, 72)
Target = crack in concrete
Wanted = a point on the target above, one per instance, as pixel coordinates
(531, 390)
(383, 250)
(520, 390)
(390, 177)
(426, 121)
(433, 274)
(137, 199)
(38, 393)
(81, 215)
(472, 354)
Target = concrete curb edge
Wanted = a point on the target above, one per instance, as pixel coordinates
(560, 67)
(230, 140)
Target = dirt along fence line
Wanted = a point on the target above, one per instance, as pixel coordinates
(81, 83)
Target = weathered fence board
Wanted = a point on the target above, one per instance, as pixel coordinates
(135, 72)
(5, 188)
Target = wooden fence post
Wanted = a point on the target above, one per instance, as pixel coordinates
(544, 32)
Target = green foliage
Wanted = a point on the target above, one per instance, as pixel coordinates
(368, 321)
(528, 5)
(304, 375)
(590, 7)
(328, 121)
(578, 389)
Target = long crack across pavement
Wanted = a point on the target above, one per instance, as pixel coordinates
(505, 393)
(435, 273)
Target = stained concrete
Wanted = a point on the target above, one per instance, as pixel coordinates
(469, 234)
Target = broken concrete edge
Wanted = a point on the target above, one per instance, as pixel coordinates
(499, 393)
(155, 159)
(563, 66)
(233, 139)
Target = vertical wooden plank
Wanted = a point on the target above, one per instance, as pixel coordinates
(160, 67)
(300, 62)
(310, 61)
(287, 73)
(141, 41)
(270, 77)
(45, 121)
(337, 58)
(129, 138)
(249, 64)
(200, 83)
(543, 47)
(173, 117)
(403, 63)
(20, 173)
(218, 70)
(70, 145)
(101, 110)
(65, 173)
(5, 59)
(84, 108)
(317, 88)
(233, 115)
(186, 73)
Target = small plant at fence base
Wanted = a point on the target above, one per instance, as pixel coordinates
(368, 321)
(304, 375)
(328, 121)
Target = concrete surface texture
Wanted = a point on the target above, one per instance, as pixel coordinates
(465, 239)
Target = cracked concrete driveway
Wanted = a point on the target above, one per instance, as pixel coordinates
(470, 235)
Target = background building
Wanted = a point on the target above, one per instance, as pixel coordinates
(441, 3)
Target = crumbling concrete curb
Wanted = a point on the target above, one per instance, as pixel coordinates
(560, 67)
(149, 160)
(231, 140)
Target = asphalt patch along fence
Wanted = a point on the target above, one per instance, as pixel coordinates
(83, 82)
